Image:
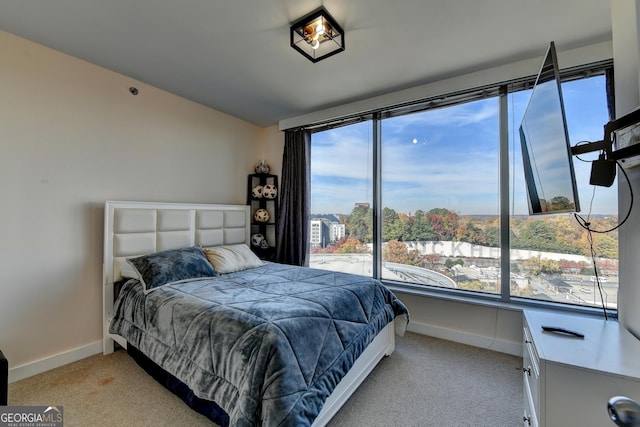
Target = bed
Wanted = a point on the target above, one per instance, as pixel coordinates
(271, 344)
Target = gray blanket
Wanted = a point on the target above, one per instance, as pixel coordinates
(267, 344)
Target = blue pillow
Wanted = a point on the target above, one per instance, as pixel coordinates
(172, 266)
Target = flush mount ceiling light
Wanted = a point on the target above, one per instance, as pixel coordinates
(317, 35)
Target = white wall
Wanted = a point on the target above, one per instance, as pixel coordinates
(71, 137)
(271, 148)
(626, 50)
(495, 327)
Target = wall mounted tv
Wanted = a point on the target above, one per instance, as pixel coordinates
(546, 151)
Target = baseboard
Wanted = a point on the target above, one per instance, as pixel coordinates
(490, 343)
(29, 369)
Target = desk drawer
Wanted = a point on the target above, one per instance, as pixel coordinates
(530, 418)
(531, 375)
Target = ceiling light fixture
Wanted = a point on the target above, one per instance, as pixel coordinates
(317, 35)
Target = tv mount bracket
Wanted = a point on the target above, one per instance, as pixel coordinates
(625, 132)
(606, 145)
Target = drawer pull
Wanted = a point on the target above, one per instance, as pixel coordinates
(527, 420)
(527, 370)
(528, 342)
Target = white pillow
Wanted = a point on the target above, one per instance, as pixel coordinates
(126, 270)
(227, 259)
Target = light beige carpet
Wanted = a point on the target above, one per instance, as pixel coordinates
(431, 382)
(105, 391)
(425, 382)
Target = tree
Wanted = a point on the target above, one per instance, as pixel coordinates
(469, 233)
(395, 251)
(560, 203)
(541, 235)
(432, 260)
(550, 266)
(569, 265)
(443, 222)
(604, 246)
(492, 234)
(531, 266)
(450, 262)
(538, 266)
(608, 266)
(392, 227)
(567, 230)
(359, 225)
(421, 229)
(351, 246)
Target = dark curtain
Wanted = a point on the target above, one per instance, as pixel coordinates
(610, 88)
(295, 209)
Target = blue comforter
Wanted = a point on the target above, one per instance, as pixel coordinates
(268, 344)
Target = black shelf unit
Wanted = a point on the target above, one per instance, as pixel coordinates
(267, 229)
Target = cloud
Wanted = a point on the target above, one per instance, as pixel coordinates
(476, 112)
(454, 164)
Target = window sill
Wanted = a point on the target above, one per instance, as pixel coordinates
(492, 300)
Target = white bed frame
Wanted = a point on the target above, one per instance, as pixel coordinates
(138, 228)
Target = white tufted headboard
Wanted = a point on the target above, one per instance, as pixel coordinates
(139, 228)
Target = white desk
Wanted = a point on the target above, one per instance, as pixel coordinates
(567, 380)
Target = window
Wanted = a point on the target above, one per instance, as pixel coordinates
(551, 256)
(341, 199)
(440, 197)
(412, 195)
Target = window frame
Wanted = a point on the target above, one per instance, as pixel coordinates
(502, 91)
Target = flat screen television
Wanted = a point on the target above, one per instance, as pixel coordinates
(546, 151)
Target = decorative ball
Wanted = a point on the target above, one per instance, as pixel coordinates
(257, 191)
(261, 215)
(269, 191)
(262, 167)
(257, 239)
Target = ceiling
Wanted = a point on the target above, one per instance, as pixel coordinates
(234, 56)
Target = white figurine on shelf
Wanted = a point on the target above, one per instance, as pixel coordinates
(257, 239)
(256, 191)
(261, 215)
(262, 167)
(269, 191)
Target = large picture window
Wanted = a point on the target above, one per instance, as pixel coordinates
(551, 257)
(440, 196)
(413, 196)
(342, 199)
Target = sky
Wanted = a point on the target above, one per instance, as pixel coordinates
(448, 157)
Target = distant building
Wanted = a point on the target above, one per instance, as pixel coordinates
(365, 204)
(337, 231)
(325, 232)
(319, 233)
